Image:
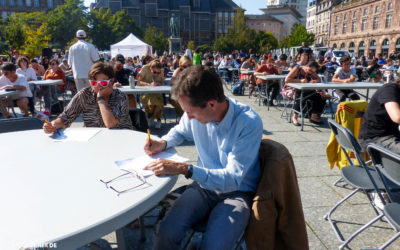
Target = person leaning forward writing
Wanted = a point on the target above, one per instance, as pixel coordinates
(99, 104)
(227, 135)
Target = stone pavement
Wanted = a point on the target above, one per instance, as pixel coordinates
(315, 180)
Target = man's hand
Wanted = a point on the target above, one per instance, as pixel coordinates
(117, 85)
(167, 167)
(152, 147)
(49, 127)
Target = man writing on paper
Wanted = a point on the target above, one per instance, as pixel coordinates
(227, 135)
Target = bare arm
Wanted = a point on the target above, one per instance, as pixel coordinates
(290, 78)
(108, 118)
(393, 109)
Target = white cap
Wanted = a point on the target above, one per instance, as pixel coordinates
(81, 34)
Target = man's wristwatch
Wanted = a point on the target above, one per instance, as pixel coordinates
(189, 172)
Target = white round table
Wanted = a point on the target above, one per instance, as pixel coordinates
(51, 191)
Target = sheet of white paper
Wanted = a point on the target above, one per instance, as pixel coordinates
(139, 163)
(78, 135)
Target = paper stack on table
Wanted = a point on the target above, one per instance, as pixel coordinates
(137, 164)
(78, 135)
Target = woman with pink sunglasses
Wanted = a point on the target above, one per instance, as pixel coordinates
(100, 104)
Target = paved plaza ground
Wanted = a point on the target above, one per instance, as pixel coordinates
(314, 177)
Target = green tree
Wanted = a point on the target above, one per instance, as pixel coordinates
(265, 41)
(204, 48)
(155, 38)
(299, 34)
(14, 30)
(123, 24)
(65, 20)
(284, 43)
(36, 39)
(100, 22)
(223, 44)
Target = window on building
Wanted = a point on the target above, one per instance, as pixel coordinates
(3, 3)
(220, 23)
(50, 4)
(219, 14)
(219, 30)
(345, 17)
(344, 28)
(354, 14)
(363, 24)
(12, 3)
(196, 3)
(226, 31)
(353, 27)
(226, 22)
(342, 46)
(20, 3)
(232, 15)
(390, 6)
(376, 23)
(365, 12)
(226, 14)
(4, 14)
(150, 9)
(337, 19)
(376, 9)
(388, 20)
(28, 3)
(336, 29)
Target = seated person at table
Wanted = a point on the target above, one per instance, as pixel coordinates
(381, 122)
(307, 74)
(388, 70)
(122, 77)
(11, 80)
(249, 64)
(332, 65)
(272, 86)
(30, 75)
(282, 63)
(184, 63)
(345, 74)
(227, 135)
(39, 69)
(152, 75)
(100, 104)
(381, 60)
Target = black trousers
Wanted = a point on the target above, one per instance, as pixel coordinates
(312, 97)
(347, 93)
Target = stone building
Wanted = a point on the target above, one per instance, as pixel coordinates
(8, 7)
(366, 27)
(265, 23)
(299, 5)
(310, 21)
(201, 21)
(287, 15)
(323, 21)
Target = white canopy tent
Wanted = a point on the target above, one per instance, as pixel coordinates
(131, 46)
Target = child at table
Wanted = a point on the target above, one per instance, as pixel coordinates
(100, 104)
(345, 74)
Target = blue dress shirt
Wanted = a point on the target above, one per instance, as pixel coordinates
(227, 151)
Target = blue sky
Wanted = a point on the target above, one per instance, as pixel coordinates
(252, 6)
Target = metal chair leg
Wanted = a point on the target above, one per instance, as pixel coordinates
(328, 215)
(390, 241)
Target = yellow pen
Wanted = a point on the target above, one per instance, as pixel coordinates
(148, 133)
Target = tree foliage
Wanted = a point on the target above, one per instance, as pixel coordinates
(190, 45)
(265, 41)
(65, 20)
(299, 34)
(155, 38)
(14, 31)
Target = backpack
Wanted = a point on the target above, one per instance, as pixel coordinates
(238, 88)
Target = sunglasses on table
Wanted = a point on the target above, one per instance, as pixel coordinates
(103, 83)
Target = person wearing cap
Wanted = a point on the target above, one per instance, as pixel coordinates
(81, 57)
(122, 77)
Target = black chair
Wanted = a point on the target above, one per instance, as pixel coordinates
(387, 164)
(357, 176)
(20, 124)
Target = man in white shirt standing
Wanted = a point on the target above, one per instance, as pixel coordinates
(81, 57)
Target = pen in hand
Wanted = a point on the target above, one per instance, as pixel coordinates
(58, 132)
(148, 133)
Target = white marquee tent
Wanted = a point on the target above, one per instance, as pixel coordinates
(131, 46)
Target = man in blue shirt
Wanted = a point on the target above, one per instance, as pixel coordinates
(227, 135)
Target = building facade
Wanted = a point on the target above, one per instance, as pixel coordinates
(366, 27)
(265, 23)
(299, 5)
(200, 21)
(323, 21)
(8, 7)
(310, 21)
(287, 15)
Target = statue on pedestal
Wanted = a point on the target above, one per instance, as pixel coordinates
(173, 23)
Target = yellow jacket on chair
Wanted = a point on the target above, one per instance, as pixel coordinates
(349, 115)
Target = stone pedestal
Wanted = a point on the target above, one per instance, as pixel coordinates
(175, 45)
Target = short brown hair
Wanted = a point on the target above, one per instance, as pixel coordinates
(101, 68)
(200, 84)
(155, 64)
(22, 58)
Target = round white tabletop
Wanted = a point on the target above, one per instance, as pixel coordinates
(146, 90)
(46, 82)
(52, 193)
